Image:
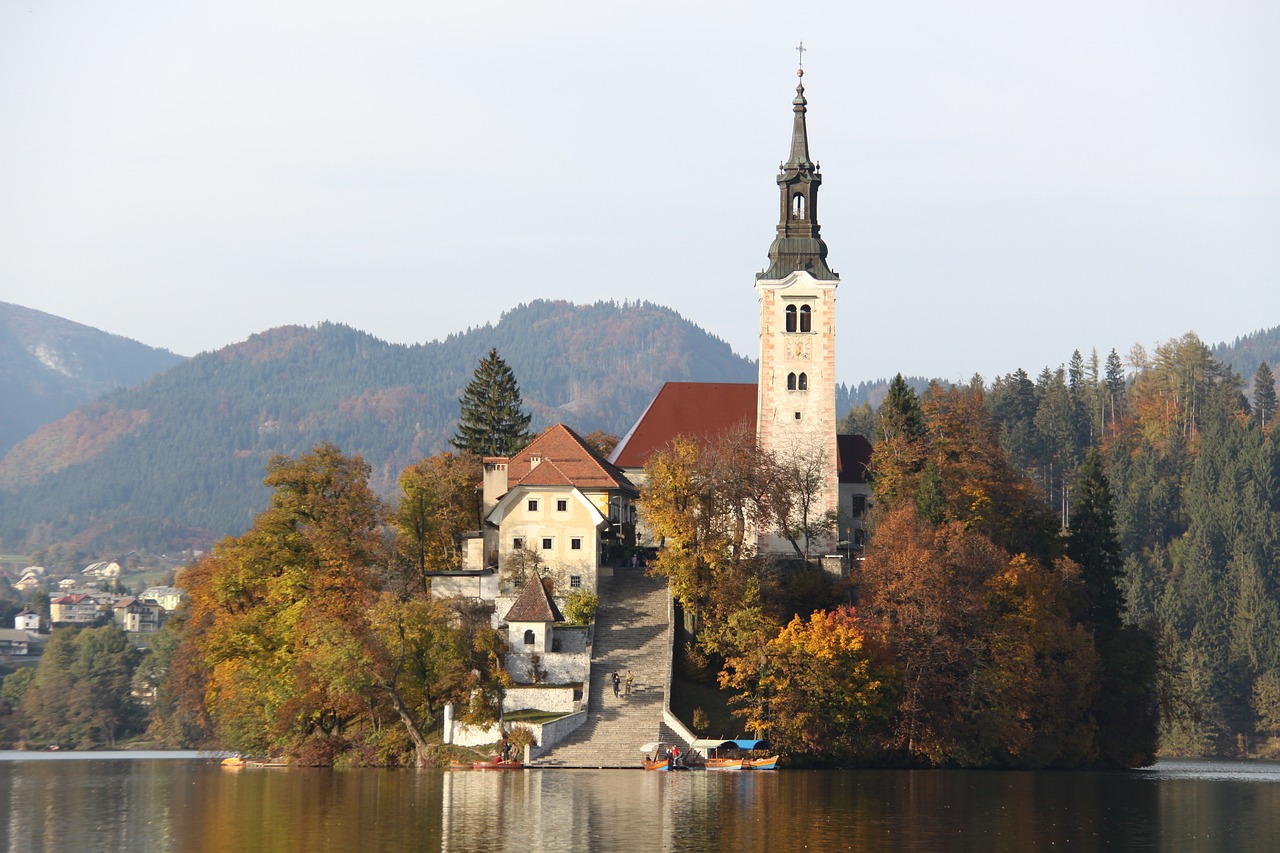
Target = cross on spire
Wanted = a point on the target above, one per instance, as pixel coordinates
(800, 47)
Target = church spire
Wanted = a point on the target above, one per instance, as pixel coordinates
(797, 245)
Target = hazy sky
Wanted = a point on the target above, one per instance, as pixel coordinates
(1005, 181)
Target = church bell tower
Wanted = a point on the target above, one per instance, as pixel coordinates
(796, 406)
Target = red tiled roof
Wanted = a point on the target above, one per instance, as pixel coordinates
(853, 454)
(697, 410)
(534, 604)
(563, 458)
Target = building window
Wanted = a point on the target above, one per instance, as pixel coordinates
(791, 318)
(575, 581)
(804, 382)
(532, 505)
(797, 206)
(859, 537)
(562, 506)
(791, 382)
(546, 543)
(797, 416)
(529, 638)
(858, 506)
(517, 543)
(575, 544)
(806, 318)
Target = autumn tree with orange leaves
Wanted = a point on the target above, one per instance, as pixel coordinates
(300, 642)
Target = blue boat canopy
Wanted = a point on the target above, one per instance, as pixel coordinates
(704, 744)
(744, 743)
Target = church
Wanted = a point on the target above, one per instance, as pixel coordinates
(792, 408)
(554, 509)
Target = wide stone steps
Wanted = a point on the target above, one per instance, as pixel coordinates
(631, 634)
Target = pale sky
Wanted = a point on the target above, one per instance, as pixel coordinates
(1004, 181)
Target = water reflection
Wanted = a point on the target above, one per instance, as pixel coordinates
(192, 805)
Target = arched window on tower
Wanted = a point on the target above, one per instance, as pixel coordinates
(804, 382)
(806, 318)
(529, 638)
(797, 206)
(791, 318)
(791, 382)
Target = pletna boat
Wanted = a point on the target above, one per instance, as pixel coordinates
(723, 764)
(766, 763)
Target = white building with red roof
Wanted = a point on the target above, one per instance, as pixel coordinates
(556, 506)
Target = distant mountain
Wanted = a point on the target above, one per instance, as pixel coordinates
(49, 366)
(178, 462)
(1244, 354)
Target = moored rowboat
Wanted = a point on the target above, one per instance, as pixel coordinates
(723, 764)
(769, 763)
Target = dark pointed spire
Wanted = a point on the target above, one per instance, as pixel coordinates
(799, 132)
(798, 246)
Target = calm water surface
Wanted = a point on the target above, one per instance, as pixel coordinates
(181, 802)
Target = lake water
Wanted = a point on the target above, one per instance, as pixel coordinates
(181, 802)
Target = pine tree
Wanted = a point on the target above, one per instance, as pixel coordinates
(1264, 394)
(492, 421)
(1115, 383)
(900, 413)
(1094, 544)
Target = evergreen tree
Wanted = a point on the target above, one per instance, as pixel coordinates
(900, 414)
(493, 421)
(1124, 706)
(1093, 544)
(1114, 383)
(1264, 394)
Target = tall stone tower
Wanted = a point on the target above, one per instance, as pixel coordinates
(796, 409)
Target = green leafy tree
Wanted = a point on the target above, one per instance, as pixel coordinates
(81, 693)
(580, 606)
(492, 419)
(440, 501)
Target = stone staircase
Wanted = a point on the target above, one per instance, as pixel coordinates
(631, 634)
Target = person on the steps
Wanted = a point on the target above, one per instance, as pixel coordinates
(631, 680)
(617, 683)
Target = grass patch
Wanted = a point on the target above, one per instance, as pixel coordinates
(688, 695)
(532, 716)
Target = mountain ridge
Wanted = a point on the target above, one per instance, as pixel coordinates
(50, 365)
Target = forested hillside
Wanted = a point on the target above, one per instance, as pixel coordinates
(1194, 466)
(178, 462)
(49, 365)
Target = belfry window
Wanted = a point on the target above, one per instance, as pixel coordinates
(791, 318)
(797, 206)
(791, 382)
(806, 318)
(804, 382)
